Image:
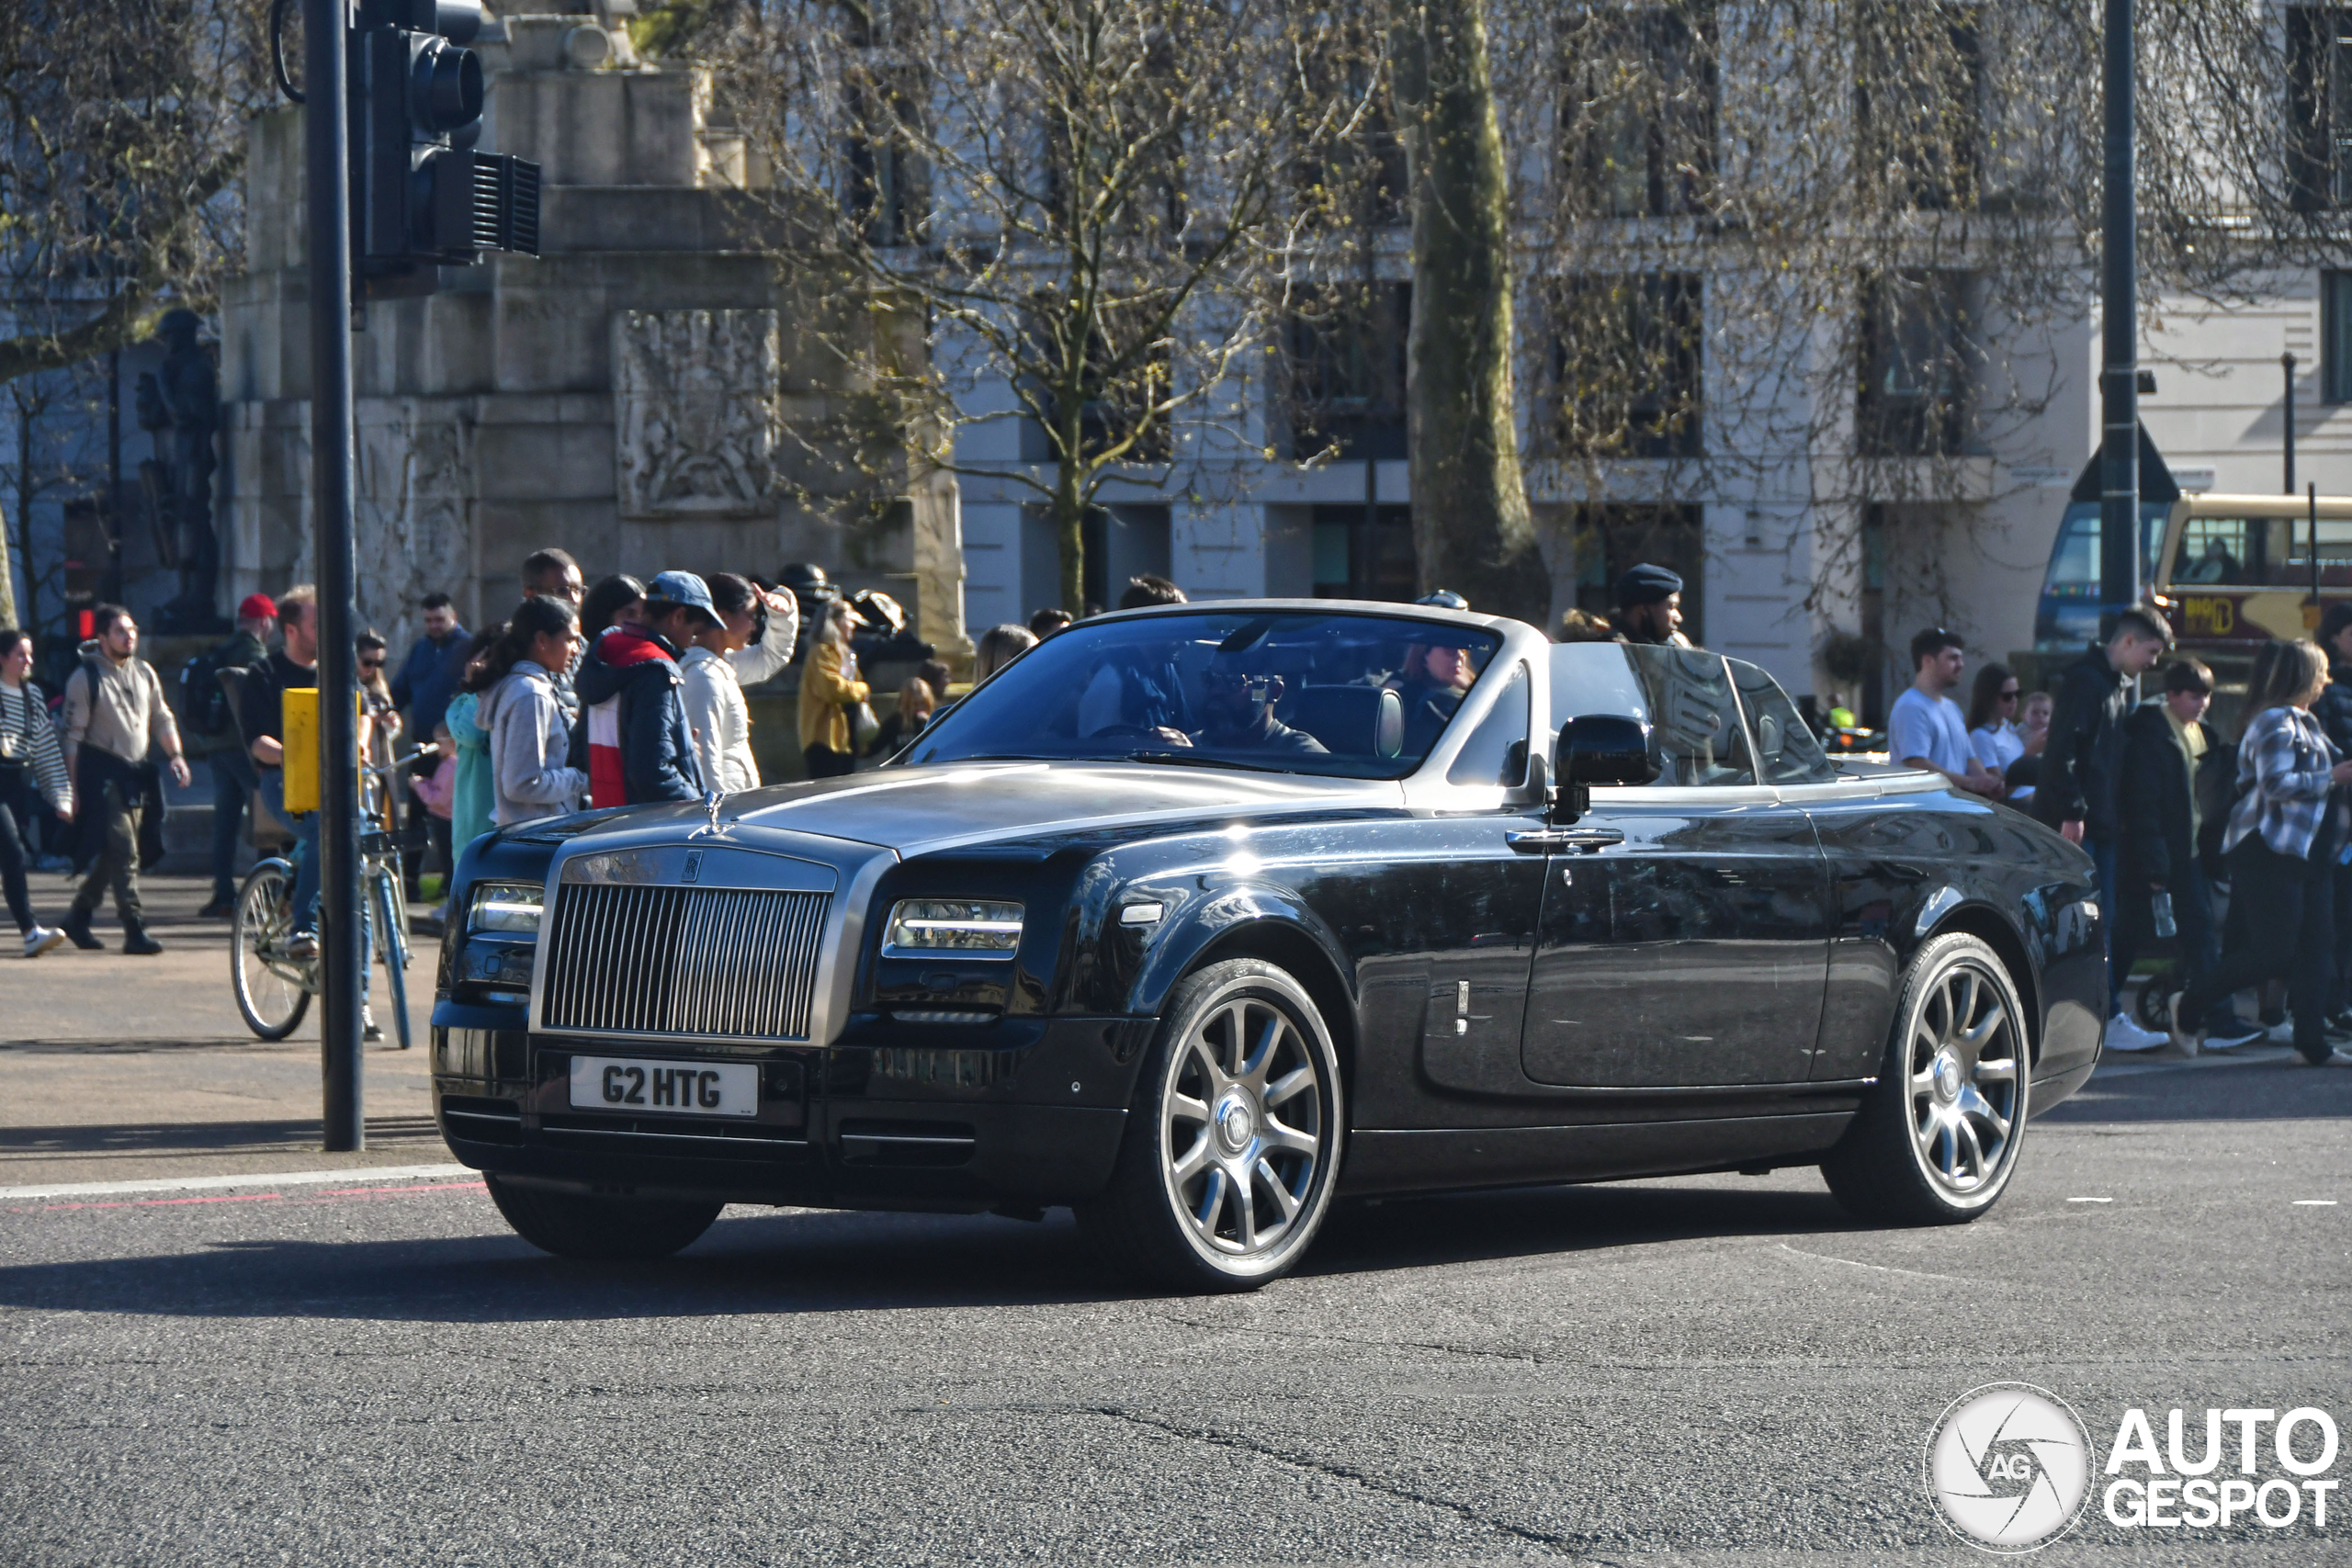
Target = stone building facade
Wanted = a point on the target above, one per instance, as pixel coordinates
(652, 392)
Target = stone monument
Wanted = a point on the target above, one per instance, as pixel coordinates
(654, 391)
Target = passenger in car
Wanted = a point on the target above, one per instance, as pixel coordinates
(1431, 683)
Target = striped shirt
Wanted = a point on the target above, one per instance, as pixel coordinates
(2284, 765)
(31, 737)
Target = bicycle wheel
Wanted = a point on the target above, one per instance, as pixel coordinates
(393, 949)
(273, 990)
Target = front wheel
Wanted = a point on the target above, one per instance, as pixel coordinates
(1937, 1139)
(272, 989)
(1233, 1144)
(603, 1230)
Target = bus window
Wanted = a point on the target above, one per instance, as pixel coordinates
(2262, 552)
(2068, 616)
(2219, 550)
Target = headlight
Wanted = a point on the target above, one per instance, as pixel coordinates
(511, 908)
(945, 925)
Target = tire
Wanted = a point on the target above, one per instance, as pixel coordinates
(1937, 1138)
(1238, 1114)
(601, 1230)
(271, 992)
(392, 951)
(2155, 995)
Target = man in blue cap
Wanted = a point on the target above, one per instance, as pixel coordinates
(1650, 607)
(638, 745)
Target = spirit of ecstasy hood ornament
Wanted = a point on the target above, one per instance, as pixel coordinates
(712, 803)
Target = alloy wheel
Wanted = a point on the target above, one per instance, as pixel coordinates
(1242, 1130)
(1963, 1063)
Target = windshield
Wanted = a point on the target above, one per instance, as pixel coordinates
(1297, 692)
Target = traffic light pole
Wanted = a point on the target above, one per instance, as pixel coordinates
(2119, 503)
(342, 955)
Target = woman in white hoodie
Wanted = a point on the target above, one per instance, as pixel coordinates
(529, 736)
(720, 662)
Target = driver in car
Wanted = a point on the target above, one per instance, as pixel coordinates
(1238, 712)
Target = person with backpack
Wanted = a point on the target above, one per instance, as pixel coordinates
(115, 713)
(638, 745)
(211, 726)
(30, 762)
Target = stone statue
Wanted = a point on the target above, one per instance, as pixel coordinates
(180, 407)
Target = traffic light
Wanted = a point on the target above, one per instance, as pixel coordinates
(421, 197)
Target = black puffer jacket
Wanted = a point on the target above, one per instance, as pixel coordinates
(2156, 798)
(2082, 763)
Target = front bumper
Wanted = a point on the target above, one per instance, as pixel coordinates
(1018, 1113)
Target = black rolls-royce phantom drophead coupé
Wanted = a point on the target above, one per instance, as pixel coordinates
(1197, 919)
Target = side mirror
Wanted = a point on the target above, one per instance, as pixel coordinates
(1598, 748)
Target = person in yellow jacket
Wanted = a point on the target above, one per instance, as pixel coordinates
(829, 685)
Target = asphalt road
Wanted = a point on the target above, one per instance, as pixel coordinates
(1718, 1369)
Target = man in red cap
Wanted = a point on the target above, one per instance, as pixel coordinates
(209, 724)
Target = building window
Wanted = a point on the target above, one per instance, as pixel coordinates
(1917, 366)
(1625, 364)
(2336, 336)
(1918, 106)
(1637, 110)
(2319, 106)
(1612, 539)
(1364, 552)
(1342, 384)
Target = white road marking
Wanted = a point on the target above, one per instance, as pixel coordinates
(1882, 1267)
(353, 1174)
(2314, 1202)
(2090, 1200)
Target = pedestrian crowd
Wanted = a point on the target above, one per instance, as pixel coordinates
(630, 691)
(2238, 853)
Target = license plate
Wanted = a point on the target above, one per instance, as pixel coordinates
(665, 1089)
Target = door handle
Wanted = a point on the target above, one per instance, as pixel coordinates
(1585, 841)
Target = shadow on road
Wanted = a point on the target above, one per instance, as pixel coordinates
(823, 1262)
(2210, 1091)
(175, 1137)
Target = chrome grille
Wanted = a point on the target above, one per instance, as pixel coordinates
(696, 961)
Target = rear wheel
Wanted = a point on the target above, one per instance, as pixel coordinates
(600, 1229)
(1937, 1139)
(1226, 1172)
(272, 989)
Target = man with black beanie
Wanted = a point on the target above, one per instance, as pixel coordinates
(1650, 607)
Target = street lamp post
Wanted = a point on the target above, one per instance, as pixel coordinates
(342, 954)
(2119, 508)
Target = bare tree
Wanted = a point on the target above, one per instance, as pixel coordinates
(1068, 202)
(1472, 528)
(122, 136)
(1814, 253)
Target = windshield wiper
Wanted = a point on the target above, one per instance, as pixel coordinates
(1199, 760)
(1007, 757)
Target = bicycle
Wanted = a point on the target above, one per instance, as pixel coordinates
(273, 984)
